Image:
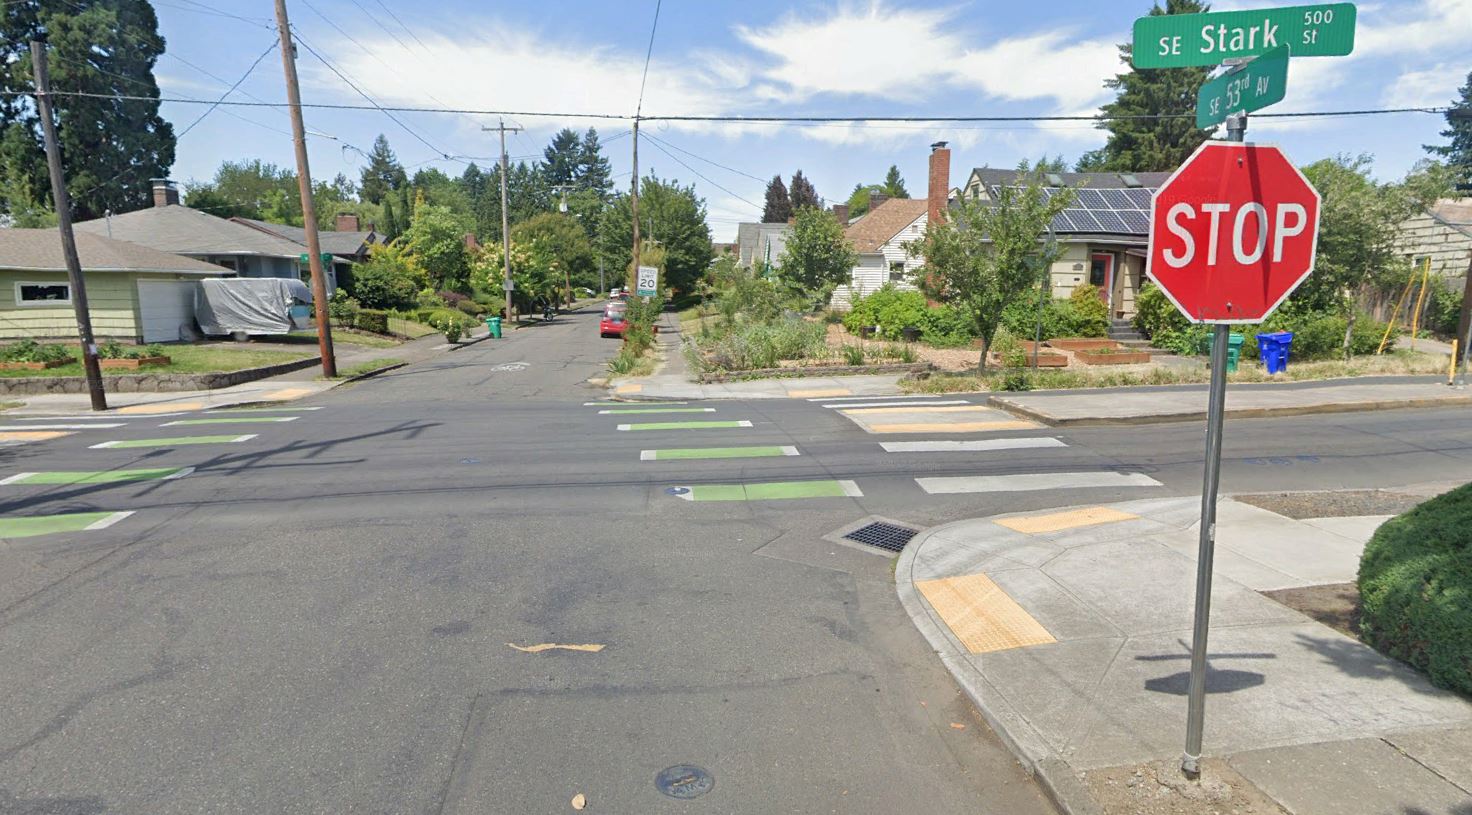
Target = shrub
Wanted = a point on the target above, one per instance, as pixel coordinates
(889, 308)
(31, 351)
(1444, 311)
(1415, 586)
(759, 345)
(1015, 377)
(373, 320)
(1020, 317)
(342, 309)
(380, 285)
(470, 307)
(111, 349)
(1185, 341)
(1154, 313)
(853, 354)
(947, 327)
(1090, 315)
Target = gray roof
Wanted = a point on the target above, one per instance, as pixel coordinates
(337, 243)
(1106, 206)
(1455, 213)
(186, 231)
(39, 250)
(1096, 181)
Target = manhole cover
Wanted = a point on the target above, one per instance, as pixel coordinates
(891, 537)
(684, 781)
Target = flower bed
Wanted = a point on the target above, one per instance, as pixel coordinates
(1081, 344)
(33, 366)
(1111, 358)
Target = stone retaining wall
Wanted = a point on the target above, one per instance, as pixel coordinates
(150, 382)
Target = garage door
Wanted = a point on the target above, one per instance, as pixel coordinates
(164, 307)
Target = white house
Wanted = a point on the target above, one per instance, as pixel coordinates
(879, 238)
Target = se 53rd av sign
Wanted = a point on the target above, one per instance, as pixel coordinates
(1181, 40)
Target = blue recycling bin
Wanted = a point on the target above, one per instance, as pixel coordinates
(1274, 348)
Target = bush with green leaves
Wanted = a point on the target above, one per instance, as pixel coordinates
(1015, 375)
(1154, 313)
(1090, 314)
(1415, 585)
(1444, 310)
(1185, 341)
(1020, 317)
(749, 346)
(343, 309)
(372, 320)
(31, 351)
(381, 284)
(946, 326)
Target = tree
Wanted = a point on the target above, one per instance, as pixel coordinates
(1051, 165)
(384, 173)
(817, 257)
(670, 215)
(246, 189)
(594, 171)
(436, 240)
(1458, 149)
(894, 184)
(1146, 145)
(778, 206)
(802, 192)
(563, 157)
(562, 245)
(986, 255)
(392, 226)
(110, 146)
(390, 278)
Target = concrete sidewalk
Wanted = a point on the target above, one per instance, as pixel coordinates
(1071, 632)
(1181, 403)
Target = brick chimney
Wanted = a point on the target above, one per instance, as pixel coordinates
(165, 192)
(840, 211)
(347, 222)
(875, 199)
(939, 192)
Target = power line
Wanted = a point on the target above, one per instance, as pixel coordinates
(212, 11)
(652, 137)
(658, 146)
(361, 46)
(407, 29)
(649, 54)
(211, 108)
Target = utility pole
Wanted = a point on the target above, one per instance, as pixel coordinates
(505, 220)
(634, 202)
(1464, 328)
(64, 226)
(304, 186)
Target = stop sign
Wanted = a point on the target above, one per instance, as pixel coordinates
(1232, 232)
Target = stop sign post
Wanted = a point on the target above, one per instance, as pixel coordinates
(1232, 233)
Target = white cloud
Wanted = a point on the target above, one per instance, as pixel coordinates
(1429, 88)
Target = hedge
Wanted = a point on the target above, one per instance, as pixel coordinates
(370, 319)
(1415, 586)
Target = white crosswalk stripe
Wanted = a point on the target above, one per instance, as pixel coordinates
(1029, 482)
(974, 446)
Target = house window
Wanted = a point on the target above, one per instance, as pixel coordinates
(43, 294)
(897, 272)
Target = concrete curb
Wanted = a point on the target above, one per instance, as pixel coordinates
(1049, 419)
(1059, 782)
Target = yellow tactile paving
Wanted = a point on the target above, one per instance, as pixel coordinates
(31, 435)
(982, 616)
(1054, 522)
(918, 410)
(632, 387)
(819, 393)
(167, 407)
(949, 427)
(289, 393)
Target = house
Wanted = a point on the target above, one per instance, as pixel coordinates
(880, 235)
(761, 243)
(170, 227)
(1104, 236)
(348, 244)
(1443, 236)
(134, 293)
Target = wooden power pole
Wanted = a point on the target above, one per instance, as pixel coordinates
(304, 185)
(634, 207)
(505, 218)
(78, 287)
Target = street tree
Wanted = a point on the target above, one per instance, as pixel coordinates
(671, 216)
(1458, 150)
(986, 255)
(818, 257)
(110, 146)
(778, 206)
(436, 241)
(894, 183)
(802, 193)
(1150, 145)
(564, 246)
(384, 173)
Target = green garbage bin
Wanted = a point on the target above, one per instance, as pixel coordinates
(493, 324)
(1234, 351)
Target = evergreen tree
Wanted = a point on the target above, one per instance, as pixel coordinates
(778, 205)
(562, 157)
(894, 184)
(1148, 145)
(392, 228)
(802, 192)
(1458, 149)
(383, 174)
(594, 171)
(110, 147)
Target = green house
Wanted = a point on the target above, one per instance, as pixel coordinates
(134, 294)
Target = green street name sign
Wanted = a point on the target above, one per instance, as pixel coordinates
(1183, 40)
(1253, 86)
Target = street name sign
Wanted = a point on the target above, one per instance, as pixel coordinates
(1232, 232)
(1253, 86)
(646, 283)
(1183, 40)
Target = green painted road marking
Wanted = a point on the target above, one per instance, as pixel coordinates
(770, 491)
(175, 442)
(717, 452)
(50, 524)
(656, 410)
(232, 420)
(682, 425)
(627, 403)
(99, 476)
(260, 409)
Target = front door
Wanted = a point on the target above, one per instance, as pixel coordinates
(1101, 274)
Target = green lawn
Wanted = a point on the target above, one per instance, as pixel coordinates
(188, 359)
(340, 336)
(364, 367)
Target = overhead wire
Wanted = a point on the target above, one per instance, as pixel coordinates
(660, 147)
(648, 55)
(407, 29)
(216, 105)
(654, 138)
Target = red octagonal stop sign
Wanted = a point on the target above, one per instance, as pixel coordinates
(1233, 232)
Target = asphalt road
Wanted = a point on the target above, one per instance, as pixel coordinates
(327, 617)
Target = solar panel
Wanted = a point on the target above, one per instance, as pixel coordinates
(1136, 222)
(1116, 199)
(1139, 198)
(1110, 221)
(1083, 220)
(1060, 223)
(1091, 199)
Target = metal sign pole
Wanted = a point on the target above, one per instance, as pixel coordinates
(1206, 551)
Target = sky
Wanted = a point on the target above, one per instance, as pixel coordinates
(756, 57)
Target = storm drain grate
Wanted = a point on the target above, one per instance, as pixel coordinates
(891, 537)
